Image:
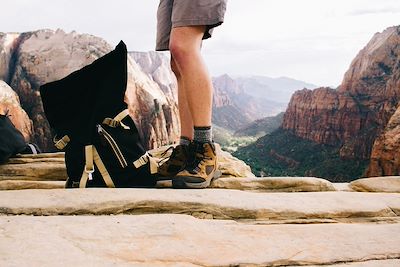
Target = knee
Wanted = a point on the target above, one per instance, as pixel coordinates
(175, 68)
(180, 53)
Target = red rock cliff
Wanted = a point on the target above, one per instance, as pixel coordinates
(357, 112)
(385, 156)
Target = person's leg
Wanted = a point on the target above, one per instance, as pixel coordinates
(184, 111)
(185, 46)
(180, 154)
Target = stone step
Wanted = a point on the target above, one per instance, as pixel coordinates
(40, 167)
(270, 184)
(208, 203)
(181, 240)
(23, 184)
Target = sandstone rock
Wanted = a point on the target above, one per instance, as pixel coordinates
(385, 156)
(22, 184)
(342, 186)
(353, 116)
(45, 55)
(174, 240)
(211, 203)
(275, 184)
(42, 167)
(368, 263)
(155, 114)
(9, 102)
(157, 66)
(389, 184)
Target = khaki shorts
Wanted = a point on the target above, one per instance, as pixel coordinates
(178, 13)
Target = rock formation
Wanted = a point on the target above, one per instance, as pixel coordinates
(353, 116)
(306, 221)
(156, 65)
(385, 156)
(9, 104)
(34, 58)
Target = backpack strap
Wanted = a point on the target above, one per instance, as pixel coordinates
(92, 157)
(147, 158)
(61, 143)
(117, 121)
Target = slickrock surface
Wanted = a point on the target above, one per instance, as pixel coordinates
(159, 240)
(217, 204)
(42, 167)
(249, 226)
(21, 184)
(389, 184)
(276, 184)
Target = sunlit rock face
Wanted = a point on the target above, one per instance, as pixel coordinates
(10, 105)
(356, 113)
(31, 59)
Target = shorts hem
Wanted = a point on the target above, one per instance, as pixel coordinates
(197, 22)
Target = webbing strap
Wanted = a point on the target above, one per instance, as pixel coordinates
(102, 169)
(62, 143)
(143, 160)
(92, 157)
(89, 167)
(117, 120)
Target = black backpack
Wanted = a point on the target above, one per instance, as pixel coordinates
(90, 119)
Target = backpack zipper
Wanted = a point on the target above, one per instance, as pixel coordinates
(113, 146)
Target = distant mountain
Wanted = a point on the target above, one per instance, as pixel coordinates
(336, 133)
(261, 127)
(233, 108)
(272, 89)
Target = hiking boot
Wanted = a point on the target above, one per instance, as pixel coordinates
(201, 171)
(170, 166)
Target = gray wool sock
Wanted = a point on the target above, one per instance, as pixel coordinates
(203, 134)
(184, 141)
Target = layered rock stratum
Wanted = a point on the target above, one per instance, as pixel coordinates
(240, 221)
(31, 59)
(356, 114)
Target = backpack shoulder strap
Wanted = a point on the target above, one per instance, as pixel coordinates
(117, 120)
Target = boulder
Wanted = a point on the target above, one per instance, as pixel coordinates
(389, 184)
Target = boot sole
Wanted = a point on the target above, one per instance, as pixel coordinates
(179, 182)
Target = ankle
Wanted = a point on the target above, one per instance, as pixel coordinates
(185, 141)
(203, 134)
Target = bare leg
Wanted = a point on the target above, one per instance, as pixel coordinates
(184, 111)
(185, 45)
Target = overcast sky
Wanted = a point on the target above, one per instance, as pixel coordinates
(310, 40)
